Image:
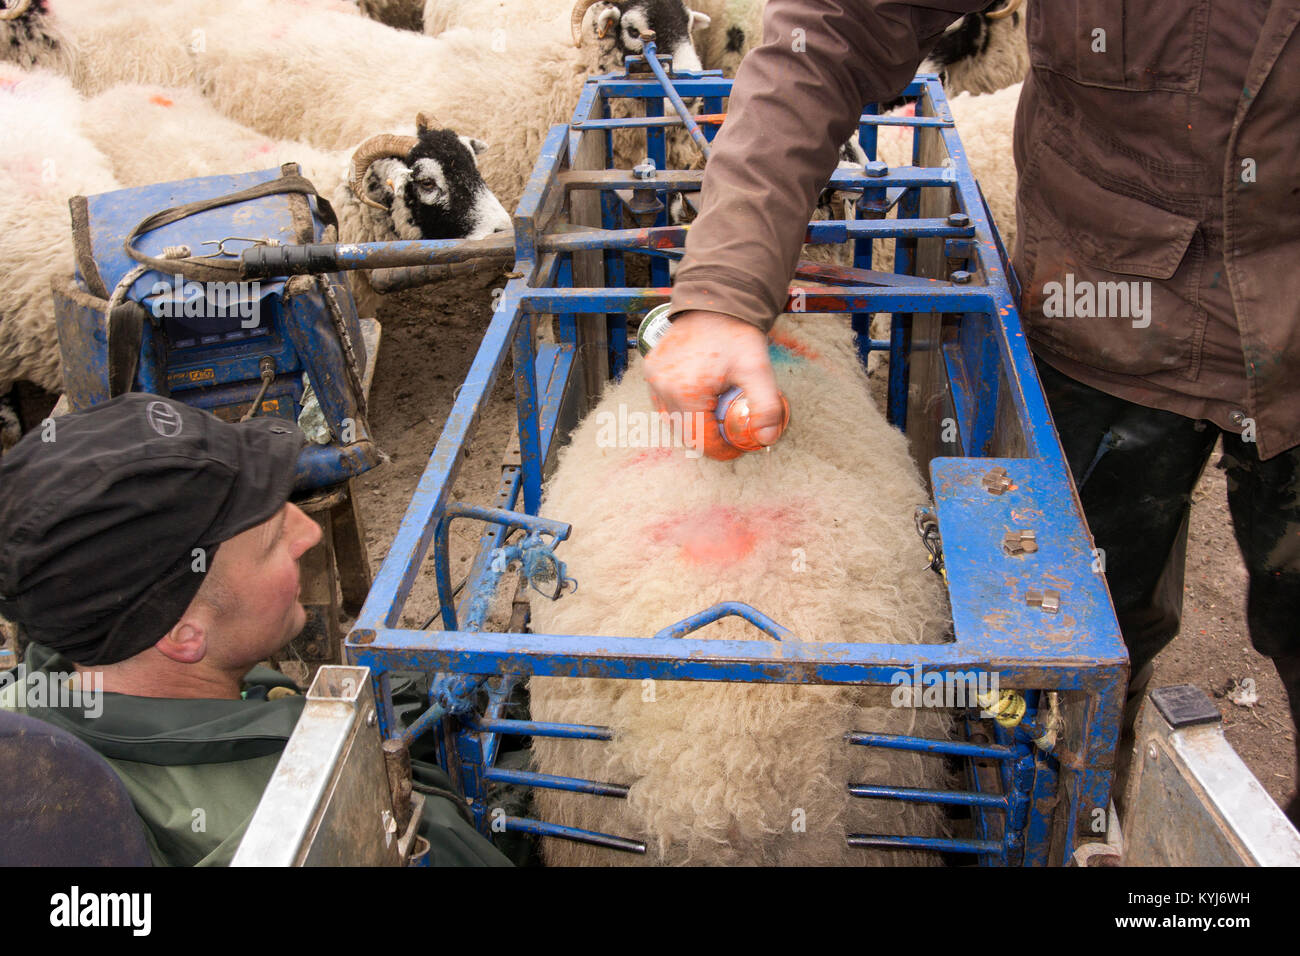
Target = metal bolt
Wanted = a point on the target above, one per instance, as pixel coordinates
(1048, 600)
(996, 481)
(1153, 752)
(960, 277)
(644, 170)
(371, 717)
(875, 169)
(959, 219)
(1019, 542)
(1237, 416)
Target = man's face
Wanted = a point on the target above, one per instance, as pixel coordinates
(257, 574)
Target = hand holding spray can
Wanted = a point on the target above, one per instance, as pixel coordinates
(731, 412)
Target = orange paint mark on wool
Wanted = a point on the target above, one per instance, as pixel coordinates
(721, 535)
(159, 100)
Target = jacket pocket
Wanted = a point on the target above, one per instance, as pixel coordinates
(1121, 44)
(1088, 259)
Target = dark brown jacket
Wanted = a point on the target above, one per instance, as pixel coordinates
(1171, 156)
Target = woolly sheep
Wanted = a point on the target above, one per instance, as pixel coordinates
(44, 159)
(337, 77)
(818, 534)
(979, 52)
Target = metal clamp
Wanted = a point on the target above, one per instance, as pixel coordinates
(996, 481)
(1047, 599)
(1018, 541)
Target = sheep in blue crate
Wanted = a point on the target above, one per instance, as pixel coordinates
(819, 535)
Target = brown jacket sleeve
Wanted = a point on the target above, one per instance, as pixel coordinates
(795, 102)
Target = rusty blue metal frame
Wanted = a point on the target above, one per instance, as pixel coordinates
(1077, 652)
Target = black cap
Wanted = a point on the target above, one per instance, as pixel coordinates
(101, 513)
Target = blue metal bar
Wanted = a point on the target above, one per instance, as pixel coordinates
(923, 843)
(431, 716)
(962, 798)
(686, 658)
(952, 748)
(867, 131)
(812, 299)
(566, 322)
(712, 107)
(726, 609)
(530, 438)
(527, 778)
(536, 728)
(650, 55)
(542, 828)
(708, 122)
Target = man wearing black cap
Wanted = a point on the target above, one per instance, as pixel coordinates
(149, 552)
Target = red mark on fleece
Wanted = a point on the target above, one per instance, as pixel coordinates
(723, 535)
(160, 100)
(649, 457)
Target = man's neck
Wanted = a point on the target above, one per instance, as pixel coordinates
(152, 674)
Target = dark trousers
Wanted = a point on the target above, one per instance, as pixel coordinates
(1135, 468)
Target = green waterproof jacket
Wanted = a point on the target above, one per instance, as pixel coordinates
(196, 768)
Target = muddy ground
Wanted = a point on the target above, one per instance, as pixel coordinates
(430, 338)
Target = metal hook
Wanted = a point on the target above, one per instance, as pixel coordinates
(223, 251)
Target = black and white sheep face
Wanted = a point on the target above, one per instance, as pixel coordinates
(440, 194)
(964, 39)
(625, 27)
(433, 190)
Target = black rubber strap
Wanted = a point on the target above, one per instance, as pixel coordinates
(209, 269)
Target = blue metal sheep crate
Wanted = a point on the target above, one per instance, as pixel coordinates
(963, 385)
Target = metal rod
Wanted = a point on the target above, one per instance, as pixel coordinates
(704, 119)
(924, 843)
(726, 609)
(537, 728)
(573, 834)
(547, 781)
(692, 127)
(951, 748)
(422, 723)
(961, 798)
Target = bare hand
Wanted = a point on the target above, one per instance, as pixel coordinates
(705, 353)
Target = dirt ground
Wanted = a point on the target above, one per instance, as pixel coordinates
(430, 338)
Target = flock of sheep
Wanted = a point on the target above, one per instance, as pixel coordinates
(422, 119)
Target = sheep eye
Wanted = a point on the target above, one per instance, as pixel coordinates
(633, 33)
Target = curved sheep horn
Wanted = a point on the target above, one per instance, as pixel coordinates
(383, 146)
(575, 22)
(1011, 7)
(16, 11)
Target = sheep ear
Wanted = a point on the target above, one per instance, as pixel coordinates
(475, 146)
(699, 20)
(422, 122)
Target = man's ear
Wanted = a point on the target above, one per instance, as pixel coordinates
(187, 641)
